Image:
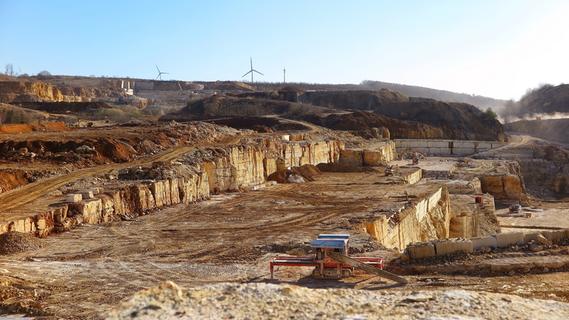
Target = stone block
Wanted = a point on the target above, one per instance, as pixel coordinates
(108, 208)
(351, 157)
(91, 211)
(555, 236)
(421, 250)
(373, 158)
(479, 243)
(174, 191)
(88, 194)
(531, 236)
(451, 246)
(509, 239)
(73, 197)
(513, 187)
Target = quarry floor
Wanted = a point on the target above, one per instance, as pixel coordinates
(231, 238)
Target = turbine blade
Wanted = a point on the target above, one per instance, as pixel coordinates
(257, 72)
(157, 68)
(246, 73)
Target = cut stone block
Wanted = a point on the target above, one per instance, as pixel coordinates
(88, 194)
(479, 243)
(555, 236)
(451, 246)
(421, 250)
(509, 239)
(73, 197)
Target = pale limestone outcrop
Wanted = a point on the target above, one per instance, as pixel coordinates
(427, 219)
(231, 169)
(507, 186)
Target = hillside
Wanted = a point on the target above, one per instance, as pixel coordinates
(457, 120)
(481, 102)
(545, 99)
(342, 110)
(552, 129)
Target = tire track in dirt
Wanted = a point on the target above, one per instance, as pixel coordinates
(33, 191)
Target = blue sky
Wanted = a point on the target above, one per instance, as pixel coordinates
(494, 48)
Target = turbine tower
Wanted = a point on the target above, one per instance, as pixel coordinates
(284, 75)
(160, 73)
(251, 71)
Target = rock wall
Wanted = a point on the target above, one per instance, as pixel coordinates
(427, 219)
(507, 186)
(231, 169)
(24, 91)
(372, 156)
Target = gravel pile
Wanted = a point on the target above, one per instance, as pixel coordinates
(14, 242)
(272, 301)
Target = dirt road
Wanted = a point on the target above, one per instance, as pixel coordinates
(28, 193)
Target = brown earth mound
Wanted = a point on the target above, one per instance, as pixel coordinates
(12, 178)
(54, 126)
(10, 114)
(456, 120)
(259, 124)
(67, 107)
(353, 99)
(227, 106)
(14, 242)
(363, 123)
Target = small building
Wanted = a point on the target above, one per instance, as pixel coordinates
(127, 87)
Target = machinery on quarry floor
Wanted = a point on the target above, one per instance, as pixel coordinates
(331, 260)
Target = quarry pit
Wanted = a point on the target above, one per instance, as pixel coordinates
(90, 216)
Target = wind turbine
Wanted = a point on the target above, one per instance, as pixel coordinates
(284, 75)
(160, 73)
(251, 71)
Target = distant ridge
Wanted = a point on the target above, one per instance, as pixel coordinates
(442, 95)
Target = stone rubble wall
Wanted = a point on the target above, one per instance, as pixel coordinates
(238, 167)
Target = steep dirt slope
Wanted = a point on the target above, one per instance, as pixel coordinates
(355, 99)
(552, 129)
(227, 106)
(456, 120)
(363, 122)
(14, 114)
(545, 99)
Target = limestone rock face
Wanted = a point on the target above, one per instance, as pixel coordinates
(427, 219)
(29, 91)
(229, 169)
(503, 186)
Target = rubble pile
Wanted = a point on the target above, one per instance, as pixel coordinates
(271, 301)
